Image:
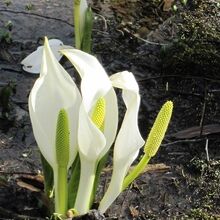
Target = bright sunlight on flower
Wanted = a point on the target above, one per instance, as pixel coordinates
(53, 91)
(77, 129)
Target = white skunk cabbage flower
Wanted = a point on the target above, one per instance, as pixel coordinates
(53, 90)
(54, 104)
(128, 141)
(55, 93)
(32, 63)
(93, 142)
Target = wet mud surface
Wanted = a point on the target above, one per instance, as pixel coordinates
(154, 42)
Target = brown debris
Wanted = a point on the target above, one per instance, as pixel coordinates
(32, 183)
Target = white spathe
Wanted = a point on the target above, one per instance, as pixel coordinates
(128, 141)
(32, 63)
(95, 84)
(93, 143)
(53, 90)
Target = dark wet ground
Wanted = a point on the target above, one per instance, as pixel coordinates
(175, 189)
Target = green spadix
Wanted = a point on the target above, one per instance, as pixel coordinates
(98, 115)
(153, 142)
(62, 155)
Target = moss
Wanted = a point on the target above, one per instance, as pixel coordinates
(205, 188)
(201, 214)
(196, 49)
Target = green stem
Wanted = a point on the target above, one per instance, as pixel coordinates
(136, 171)
(76, 14)
(85, 190)
(60, 184)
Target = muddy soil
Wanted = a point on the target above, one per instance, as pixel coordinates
(173, 51)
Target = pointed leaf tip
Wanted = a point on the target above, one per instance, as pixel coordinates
(45, 40)
(158, 130)
(62, 139)
(46, 43)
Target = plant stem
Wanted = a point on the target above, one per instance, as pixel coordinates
(76, 14)
(60, 184)
(85, 190)
(136, 171)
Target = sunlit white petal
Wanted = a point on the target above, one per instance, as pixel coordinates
(128, 141)
(93, 143)
(94, 85)
(53, 90)
(32, 63)
(95, 82)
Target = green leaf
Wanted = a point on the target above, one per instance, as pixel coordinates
(48, 184)
(87, 32)
(100, 166)
(48, 176)
(74, 182)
